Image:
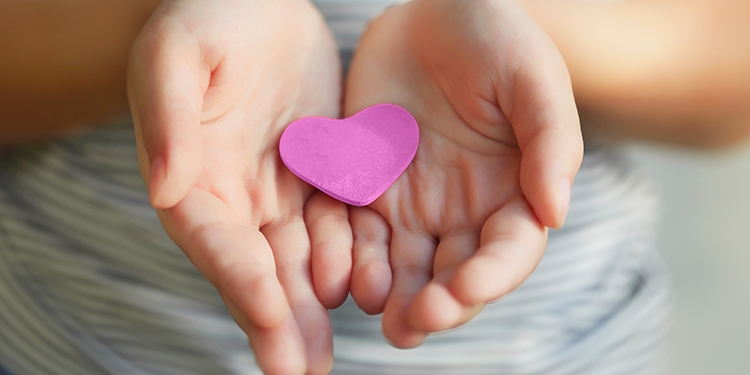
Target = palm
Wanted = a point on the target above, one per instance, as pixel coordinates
(242, 218)
(462, 231)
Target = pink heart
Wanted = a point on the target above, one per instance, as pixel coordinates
(355, 159)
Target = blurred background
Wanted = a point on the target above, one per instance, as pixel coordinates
(705, 240)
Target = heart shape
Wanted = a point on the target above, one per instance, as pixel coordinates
(355, 159)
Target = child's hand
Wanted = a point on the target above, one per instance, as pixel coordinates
(500, 145)
(212, 85)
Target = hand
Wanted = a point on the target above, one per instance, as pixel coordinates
(212, 85)
(500, 144)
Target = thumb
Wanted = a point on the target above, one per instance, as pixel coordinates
(545, 120)
(166, 82)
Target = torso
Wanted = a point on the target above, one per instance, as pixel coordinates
(91, 284)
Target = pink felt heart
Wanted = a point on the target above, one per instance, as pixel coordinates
(356, 159)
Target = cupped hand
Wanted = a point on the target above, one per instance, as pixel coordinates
(212, 85)
(500, 144)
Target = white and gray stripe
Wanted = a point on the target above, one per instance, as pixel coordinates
(91, 284)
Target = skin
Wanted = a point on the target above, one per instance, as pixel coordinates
(670, 71)
(208, 120)
(208, 111)
(258, 234)
(64, 64)
(499, 146)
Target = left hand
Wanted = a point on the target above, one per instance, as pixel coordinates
(499, 147)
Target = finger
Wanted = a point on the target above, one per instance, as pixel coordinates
(327, 221)
(167, 77)
(454, 249)
(236, 259)
(291, 247)
(435, 308)
(411, 258)
(542, 111)
(277, 350)
(511, 245)
(371, 273)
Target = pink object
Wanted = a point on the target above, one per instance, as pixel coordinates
(355, 159)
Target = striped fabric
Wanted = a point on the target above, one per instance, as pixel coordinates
(91, 284)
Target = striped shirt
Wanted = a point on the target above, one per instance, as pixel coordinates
(91, 284)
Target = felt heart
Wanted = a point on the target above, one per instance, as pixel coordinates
(356, 159)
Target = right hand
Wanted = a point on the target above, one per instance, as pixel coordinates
(212, 85)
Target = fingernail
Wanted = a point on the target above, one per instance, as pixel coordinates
(563, 199)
